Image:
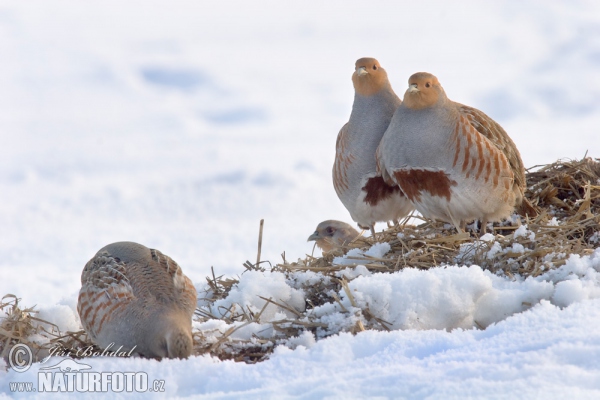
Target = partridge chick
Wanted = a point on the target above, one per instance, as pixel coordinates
(332, 234)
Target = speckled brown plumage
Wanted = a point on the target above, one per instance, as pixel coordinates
(138, 298)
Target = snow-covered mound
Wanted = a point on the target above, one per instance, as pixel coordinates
(538, 339)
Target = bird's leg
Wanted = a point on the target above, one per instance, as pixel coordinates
(483, 226)
(373, 232)
(458, 225)
(396, 222)
(519, 221)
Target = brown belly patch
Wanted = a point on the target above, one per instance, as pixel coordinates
(415, 181)
(378, 190)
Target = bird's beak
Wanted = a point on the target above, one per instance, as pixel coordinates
(314, 236)
(413, 88)
(361, 71)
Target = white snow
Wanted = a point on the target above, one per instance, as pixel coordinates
(545, 351)
(470, 329)
(553, 222)
(181, 125)
(524, 232)
(355, 256)
(253, 284)
(351, 273)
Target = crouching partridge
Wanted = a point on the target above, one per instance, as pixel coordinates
(138, 298)
(452, 161)
(332, 234)
(358, 185)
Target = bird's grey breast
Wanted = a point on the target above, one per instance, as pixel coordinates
(370, 118)
(418, 138)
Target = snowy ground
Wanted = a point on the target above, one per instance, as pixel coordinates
(540, 339)
(181, 125)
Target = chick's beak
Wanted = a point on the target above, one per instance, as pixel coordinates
(413, 88)
(361, 71)
(314, 236)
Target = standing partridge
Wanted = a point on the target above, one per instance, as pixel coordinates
(355, 178)
(138, 298)
(332, 234)
(452, 161)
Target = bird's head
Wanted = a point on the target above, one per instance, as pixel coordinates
(325, 229)
(331, 234)
(169, 335)
(369, 77)
(424, 90)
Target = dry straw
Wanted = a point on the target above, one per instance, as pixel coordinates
(566, 195)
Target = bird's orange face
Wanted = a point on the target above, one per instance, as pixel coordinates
(424, 91)
(368, 77)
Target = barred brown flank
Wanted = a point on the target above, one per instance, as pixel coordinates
(456, 138)
(499, 138)
(482, 159)
(467, 147)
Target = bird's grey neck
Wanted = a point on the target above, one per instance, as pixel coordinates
(383, 101)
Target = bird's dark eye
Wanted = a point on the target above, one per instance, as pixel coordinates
(427, 84)
(330, 230)
(374, 67)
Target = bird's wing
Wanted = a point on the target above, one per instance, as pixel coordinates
(109, 285)
(343, 158)
(475, 156)
(381, 170)
(498, 136)
(184, 290)
(105, 288)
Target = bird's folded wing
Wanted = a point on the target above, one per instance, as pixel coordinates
(498, 136)
(343, 158)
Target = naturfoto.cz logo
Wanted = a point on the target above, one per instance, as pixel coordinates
(72, 376)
